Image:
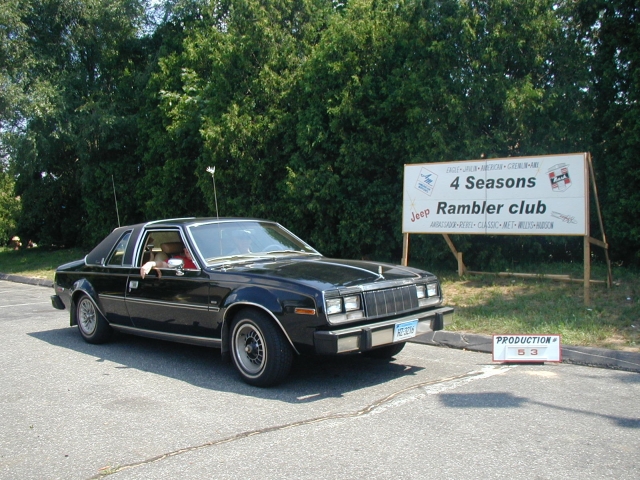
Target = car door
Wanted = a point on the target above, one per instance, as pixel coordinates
(168, 300)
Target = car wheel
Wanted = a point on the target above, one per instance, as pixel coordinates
(261, 353)
(385, 352)
(92, 325)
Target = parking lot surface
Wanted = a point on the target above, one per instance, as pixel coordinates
(137, 408)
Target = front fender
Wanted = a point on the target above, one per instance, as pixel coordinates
(83, 286)
(253, 297)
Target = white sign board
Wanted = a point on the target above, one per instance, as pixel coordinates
(527, 348)
(546, 195)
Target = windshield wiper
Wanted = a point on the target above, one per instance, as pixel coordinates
(228, 258)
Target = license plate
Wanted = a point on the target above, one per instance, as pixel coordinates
(405, 330)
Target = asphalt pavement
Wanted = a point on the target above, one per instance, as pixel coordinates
(139, 408)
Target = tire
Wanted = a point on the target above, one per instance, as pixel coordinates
(387, 352)
(261, 353)
(93, 327)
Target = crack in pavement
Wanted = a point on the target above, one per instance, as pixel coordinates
(109, 470)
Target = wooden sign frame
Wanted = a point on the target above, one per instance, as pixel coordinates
(587, 242)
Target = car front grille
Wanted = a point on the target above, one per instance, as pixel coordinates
(390, 301)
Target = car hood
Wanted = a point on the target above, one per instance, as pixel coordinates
(329, 273)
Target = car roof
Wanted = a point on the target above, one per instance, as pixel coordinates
(100, 252)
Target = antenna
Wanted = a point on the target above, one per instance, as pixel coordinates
(212, 171)
(115, 198)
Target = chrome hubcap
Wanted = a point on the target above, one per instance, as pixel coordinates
(87, 316)
(250, 348)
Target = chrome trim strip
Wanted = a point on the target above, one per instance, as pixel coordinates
(189, 306)
(387, 323)
(112, 297)
(168, 220)
(99, 274)
(261, 307)
(173, 337)
(137, 254)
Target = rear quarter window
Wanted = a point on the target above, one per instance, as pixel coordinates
(117, 255)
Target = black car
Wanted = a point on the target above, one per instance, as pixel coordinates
(248, 287)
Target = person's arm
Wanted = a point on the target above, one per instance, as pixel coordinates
(146, 268)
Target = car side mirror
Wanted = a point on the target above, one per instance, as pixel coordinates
(176, 263)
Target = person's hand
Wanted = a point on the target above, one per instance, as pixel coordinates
(146, 268)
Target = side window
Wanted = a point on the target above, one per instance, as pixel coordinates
(117, 256)
(150, 248)
(160, 246)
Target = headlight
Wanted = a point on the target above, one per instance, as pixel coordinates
(428, 294)
(334, 305)
(344, 309)
(352, 303)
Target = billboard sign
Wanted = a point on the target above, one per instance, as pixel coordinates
(544, 195)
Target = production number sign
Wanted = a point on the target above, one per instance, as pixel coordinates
(527, 348)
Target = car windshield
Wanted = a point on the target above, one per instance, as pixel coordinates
(231, 241)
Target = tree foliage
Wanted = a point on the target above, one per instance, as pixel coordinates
(81, 85)
(308, 109)
(614, 38)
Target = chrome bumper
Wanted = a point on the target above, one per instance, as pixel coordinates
(366, 337)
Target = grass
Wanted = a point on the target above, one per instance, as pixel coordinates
(485, 304)
(39, 262)
(489, 304)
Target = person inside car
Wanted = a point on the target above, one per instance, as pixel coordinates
(187, 260)
(170, 250)
(241, 243)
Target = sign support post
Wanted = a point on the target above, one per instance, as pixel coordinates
(405, 249)
(587, 269)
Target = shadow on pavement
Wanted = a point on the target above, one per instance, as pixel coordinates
(508, 400)
(311, 378)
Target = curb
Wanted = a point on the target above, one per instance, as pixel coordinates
(589, 356)
(43, 282)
